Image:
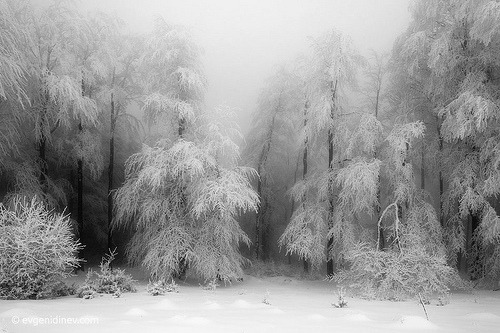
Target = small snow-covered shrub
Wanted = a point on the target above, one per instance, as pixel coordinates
(107, 281)
(161, 287)
(37, 250)
(267, 297)
(342, 303)
(62, 289)
(212, 285)
(397, 275)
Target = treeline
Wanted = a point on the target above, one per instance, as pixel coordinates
(385, 169)
(111, 127)
(386, 166)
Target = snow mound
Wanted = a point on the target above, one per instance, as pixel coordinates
(486, 316)
(164, 305)
(212, 306)
(415, 323)
(125, 324)
(276, 311)
(316, 317)
(136, 312)
(242, 304)
(193, 321)
(18, 312)
(356, 317)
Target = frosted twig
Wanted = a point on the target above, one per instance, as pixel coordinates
(423, 305)
(380, 221)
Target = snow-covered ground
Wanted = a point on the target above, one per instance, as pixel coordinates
(294, 306)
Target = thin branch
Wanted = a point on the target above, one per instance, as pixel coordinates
(423, 306)
(380, 221)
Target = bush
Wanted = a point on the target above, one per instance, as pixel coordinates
(107, 281)
(161, 287)
(37, 251)
(397, 275)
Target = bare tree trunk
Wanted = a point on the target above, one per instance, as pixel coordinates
(381, 236)
(111, 170)
(329, 246)
(422, 169)
(258, 215)
(331, 201)
(79, 180)
(42, 149)
(304, 168)
(42, 146)
(259, 219)
(79, 213)
(441, 182)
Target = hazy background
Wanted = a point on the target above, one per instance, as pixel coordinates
(244, 40)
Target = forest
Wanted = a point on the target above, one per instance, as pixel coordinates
(380, 172)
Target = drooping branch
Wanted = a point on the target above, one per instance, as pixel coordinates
(396, 223)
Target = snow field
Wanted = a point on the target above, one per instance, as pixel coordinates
(301, 306)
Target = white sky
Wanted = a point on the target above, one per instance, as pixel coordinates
(243, 40)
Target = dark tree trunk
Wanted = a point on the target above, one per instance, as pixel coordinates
(381, 236)
(304, 169)
(182, 128)
(259, 214)
(79, 214)
(422, 169)
(331, 202)
(477, 270)
(111, 171)
(79, 179)
(42, 149)
(441, 182)
(42, 146)
(329, 246)
(259, 219)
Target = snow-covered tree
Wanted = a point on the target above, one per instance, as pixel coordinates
(122, 90)
(13, 69)
(90, 55)
(182, 200)
(414, 260)
(375, 92)
(460, 42)
(13, 62)
(172, 79)
(332, 71)
(55, 95)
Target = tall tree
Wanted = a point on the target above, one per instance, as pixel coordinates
(271, 142)
(91, 50)
(173, 81)
(462, 43)
(183, 199)
(13, 73)
(335, 66)
(331, 71)
(55, 93)
(12, 59)
(376, 76)
(124, 90)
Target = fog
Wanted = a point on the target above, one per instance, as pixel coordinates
(243, 40)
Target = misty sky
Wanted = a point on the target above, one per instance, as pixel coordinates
(244, 40)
